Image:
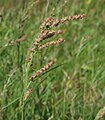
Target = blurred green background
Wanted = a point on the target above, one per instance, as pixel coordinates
(74, 91)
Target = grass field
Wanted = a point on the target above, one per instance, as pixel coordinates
(72, 85)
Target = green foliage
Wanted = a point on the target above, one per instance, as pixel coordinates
(74, 88)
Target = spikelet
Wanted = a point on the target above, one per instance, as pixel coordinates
(56, 22)
(42, 70)
(50, 34)
(100, 114)
(28, 59)
(76, 17)
(46, 23)
(64, 19)
(59, 31)
(27, 94)
(44, 35)
(68, 18)
(51, 43)
(22, 38)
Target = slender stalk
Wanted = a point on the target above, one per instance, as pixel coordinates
(26, 82)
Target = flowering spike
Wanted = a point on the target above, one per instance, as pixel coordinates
(51, 43)
(39, 72)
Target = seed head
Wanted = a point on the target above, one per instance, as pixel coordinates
(76, 17)
(44, 35)
(51, 43)
(39, 72)
(27, 93)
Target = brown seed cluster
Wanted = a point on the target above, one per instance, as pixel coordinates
(42, 70)
(56, 22)
(77, 17)
(68, 18)
(60, 32)
(48, 33)
(46, 23)
(45, 34)
(50, 22)
(27, 94)
(51, 43)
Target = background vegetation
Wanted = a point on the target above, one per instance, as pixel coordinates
(73, 91)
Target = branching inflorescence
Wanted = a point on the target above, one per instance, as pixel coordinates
(47, 31)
